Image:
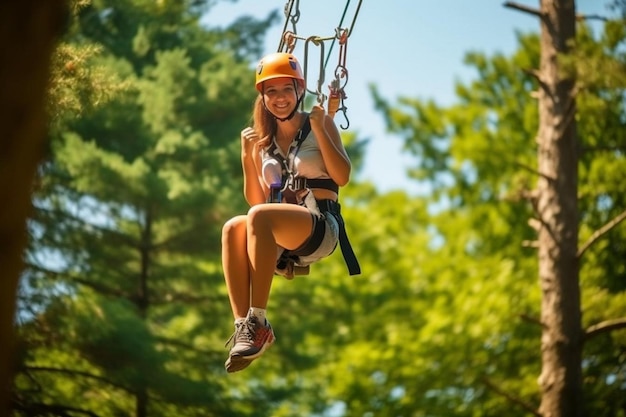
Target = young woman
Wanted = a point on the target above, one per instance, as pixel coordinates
(299, 159)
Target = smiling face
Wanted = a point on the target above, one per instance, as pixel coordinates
(280, 96)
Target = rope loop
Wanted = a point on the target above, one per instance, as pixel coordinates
(289, 40)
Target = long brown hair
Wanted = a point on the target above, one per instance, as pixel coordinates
(263, 122)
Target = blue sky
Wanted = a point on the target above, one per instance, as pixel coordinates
(411, 48)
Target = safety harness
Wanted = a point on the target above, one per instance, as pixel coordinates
(290, 187)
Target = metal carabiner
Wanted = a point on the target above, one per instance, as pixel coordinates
(294, 18)
(341, 69)
(320, 81)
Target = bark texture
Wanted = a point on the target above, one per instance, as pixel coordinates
(28, 30)
(561, 341)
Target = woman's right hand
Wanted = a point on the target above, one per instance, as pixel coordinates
(249, 136)
(251, 162)
(249, 140)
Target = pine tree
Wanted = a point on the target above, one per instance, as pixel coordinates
(124, 290)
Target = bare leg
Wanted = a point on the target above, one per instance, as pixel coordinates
(236, 265)
(269, 225)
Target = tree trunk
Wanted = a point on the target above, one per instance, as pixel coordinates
(29, 30)
(561, 341)
(143, 303)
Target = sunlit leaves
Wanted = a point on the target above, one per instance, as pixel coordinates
(462, 323)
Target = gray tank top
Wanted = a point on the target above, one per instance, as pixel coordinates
(308, 162)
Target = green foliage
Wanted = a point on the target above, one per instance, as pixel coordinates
(480, 339)
(123, 308)
(78, 86)
(124, 265)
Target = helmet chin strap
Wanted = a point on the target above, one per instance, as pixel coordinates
(293, 112)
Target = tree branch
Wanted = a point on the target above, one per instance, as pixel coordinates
(533, 171)
(76, 220)
(537, 76)
(601, 232)
(511, 398)
(174, 297)
(530, 319)
(74, 373)
(100, 288)
(534, 244)
(53, 409)
(523, 8)
(533, 73)
(621, 148)
(180, 344)
(537, 12)
(580, 17)
(605, 327)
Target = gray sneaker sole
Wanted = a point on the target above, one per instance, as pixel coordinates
(236, 362)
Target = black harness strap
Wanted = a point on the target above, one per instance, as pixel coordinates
(288, 162)
(334, 208)
(325, 206)
(325, 183)
(314, 241)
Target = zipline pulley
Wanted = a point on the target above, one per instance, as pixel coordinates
(288, 43)
(289, 38)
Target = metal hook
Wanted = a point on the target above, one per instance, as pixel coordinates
(341, 72)
(344, 110)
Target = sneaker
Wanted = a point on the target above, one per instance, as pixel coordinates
(249, 341)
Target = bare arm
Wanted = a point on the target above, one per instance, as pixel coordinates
(254, 189)
(333, 152)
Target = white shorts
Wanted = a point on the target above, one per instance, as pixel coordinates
(326, 246)
(329, 243)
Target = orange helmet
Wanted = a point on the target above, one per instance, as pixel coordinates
(276, 65)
